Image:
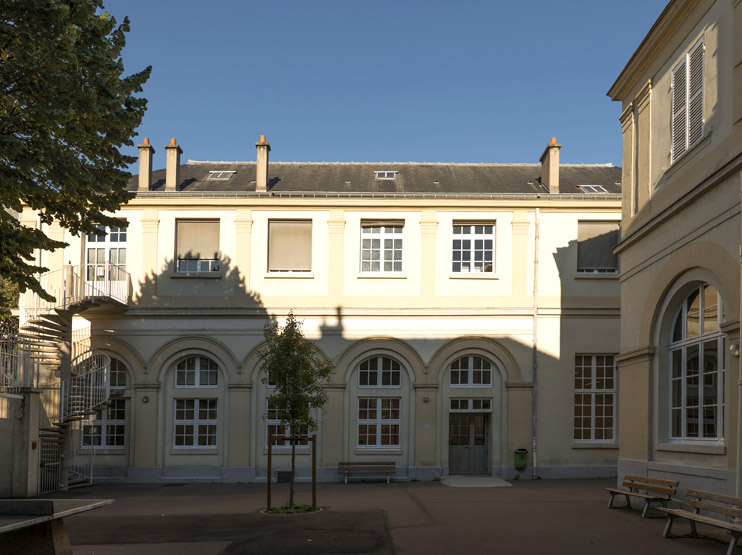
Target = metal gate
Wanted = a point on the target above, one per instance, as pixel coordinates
(50, 465)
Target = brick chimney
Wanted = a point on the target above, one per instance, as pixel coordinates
(172, 166)
(550, 166)
(146, 151)
(261, 170)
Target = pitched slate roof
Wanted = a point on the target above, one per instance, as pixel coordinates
(360, 177)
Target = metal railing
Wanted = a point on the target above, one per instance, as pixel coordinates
(17, 368)
(80, 395)
(86, 391)
(74, 284)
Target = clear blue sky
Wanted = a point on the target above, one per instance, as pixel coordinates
(421, 81)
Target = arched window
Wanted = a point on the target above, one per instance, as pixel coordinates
(379, 371)
(471, 371)
(697, 367)
(196, 372)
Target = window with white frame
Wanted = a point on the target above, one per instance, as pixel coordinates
(687, 100)
(378, 422)
(107, 430)
(473, 248)
(279, 431)
(382, 245)
(105, 255)
(290, 246)
(595, 398)
(595, 242)
(380, 371)
(471, 371)
(195, 423)
(197, 245)
(385, 174)
(697, 367)
(196, 371)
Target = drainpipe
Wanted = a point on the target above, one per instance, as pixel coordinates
(535, 345)
(738, 489)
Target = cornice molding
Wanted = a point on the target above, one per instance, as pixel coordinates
(643, 354)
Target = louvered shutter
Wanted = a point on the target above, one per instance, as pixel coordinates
(679, 110)
(695, 92)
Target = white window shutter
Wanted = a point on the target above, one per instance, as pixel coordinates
(695, 92)
(679, 110)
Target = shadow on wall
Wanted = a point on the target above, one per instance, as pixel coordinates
(223, 286)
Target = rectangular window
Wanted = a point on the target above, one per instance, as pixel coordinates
(378, 422)
(381, 245)
(105, 256)
(108, 430)
(290, 246)
(195, 423)
(473, 247)
(197, 248)
(595, 398)
(470, 405)
(595, 242)
(278, 431)
(386, 175)
(687, 100)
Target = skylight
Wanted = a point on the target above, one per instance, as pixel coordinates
(223, 175)
(386, 175)
(592, 188)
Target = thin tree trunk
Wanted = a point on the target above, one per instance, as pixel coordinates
(293, 471)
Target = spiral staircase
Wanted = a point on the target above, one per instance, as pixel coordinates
(51, 355)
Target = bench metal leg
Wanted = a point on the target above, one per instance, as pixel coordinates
(733, 543)
(346, 477)
(668, 526)
(628, 501)
(646, 508)
(610, 501)
(387, 477)
(693, 528)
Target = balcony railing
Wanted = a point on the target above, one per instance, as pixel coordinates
(73, 285)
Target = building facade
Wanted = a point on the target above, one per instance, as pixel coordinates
(681, 94)
(449, 296)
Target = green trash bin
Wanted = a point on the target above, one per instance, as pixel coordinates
(521, 455)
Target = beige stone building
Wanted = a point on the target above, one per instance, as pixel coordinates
(679, 392)
(450, 296)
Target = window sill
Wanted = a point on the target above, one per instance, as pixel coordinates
(377, 451)
(196, 275)
(585, 275)
(103, 450)
(472, 275)
(694, 447)
(382, 275)
(594, 445)
(193, 451)
(289, 275)
(690, 153)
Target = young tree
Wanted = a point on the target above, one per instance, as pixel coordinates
(65, 111)
(297, 369)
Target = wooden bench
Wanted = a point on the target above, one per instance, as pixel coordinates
(652, 490)
(726, 505)
(348, 468)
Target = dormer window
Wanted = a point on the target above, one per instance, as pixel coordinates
(220, 175)
(386, 175)
(592, 189)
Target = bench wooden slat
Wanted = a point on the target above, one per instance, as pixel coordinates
(648, 496)
(650, 480)
(703, 519)
(657, 489)
(734, 512)
(349, 467)
(718, 497)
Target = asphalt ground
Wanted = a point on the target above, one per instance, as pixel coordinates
(541, 516)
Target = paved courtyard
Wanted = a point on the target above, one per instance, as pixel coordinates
(542, 516)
